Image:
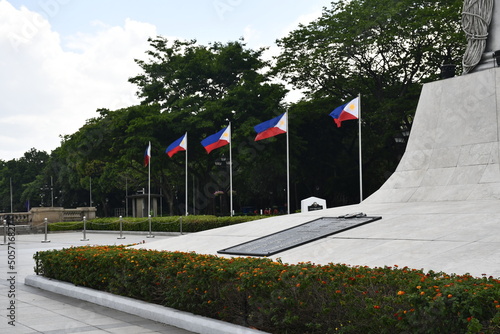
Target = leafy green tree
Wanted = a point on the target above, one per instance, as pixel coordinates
(20, 173)
(184, 87)
(200, 89)
(382, 49)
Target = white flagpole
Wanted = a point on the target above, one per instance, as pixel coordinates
(149, 179)
(90, 191)
(230, 173)
(360, 155)
(186, 175)
(11, 195)
(287, 166)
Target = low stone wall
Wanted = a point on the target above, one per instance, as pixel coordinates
(37, 216)
(19, 217)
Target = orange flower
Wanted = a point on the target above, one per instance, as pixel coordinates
(376, 306)
(400, 293)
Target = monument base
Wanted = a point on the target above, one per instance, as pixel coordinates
(440, 209)
(453, 148)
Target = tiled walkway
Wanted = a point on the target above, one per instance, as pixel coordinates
(40, 311)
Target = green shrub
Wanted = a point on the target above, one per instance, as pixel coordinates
(158, 224)
(282, 298)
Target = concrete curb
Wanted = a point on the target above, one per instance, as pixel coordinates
(180, 319)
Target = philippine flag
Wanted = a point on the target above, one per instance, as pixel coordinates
(177, 146)
(147, 155)
(221, 138)
(346, 112)
(271, 128)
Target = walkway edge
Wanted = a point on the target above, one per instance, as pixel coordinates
(166, 315)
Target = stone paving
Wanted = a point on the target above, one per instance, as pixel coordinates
(440, 209)
(39, 311)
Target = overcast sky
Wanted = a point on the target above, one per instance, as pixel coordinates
(60, 60)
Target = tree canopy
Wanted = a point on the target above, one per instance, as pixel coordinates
(383, 50)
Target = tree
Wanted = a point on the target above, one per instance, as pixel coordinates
(382, 49)
(21, 173)
(184, 88)
(200, 89)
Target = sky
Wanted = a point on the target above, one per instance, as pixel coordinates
(61, 60)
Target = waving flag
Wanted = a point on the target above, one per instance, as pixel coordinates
(147, 155)
(346, 112)
(271, 128)
(221, 138)
(177, 146)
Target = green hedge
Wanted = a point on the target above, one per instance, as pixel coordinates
(282, 298)
(158, 224)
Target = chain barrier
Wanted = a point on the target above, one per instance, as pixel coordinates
(150, 235)
(120, 221)
(4, 232)
(121, 228)
(46, 223)
(84, 229)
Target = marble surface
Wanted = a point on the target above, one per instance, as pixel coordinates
(440, 209)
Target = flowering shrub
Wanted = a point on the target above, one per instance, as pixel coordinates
(283, 298)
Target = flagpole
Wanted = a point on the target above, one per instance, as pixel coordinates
(149, 181)
(186, 175)
(287, 167)
(11, 196)
(90, 191)
(230, 172)
(360, 154)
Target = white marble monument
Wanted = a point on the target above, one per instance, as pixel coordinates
(441, 207)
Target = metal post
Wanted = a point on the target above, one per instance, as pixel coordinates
(4, 232)
(121, 228)
(150, 235)
(46, 223)
(84, 229)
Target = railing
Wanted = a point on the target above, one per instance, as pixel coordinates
(73, 215)
(36, 216)
(18, 217)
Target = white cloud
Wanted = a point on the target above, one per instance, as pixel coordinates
(304, 19)
(250, 34)
(50, 88)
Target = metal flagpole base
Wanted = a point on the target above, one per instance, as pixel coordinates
(150, 235)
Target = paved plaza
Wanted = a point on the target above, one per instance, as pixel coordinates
(440, 209)
(40, 311)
